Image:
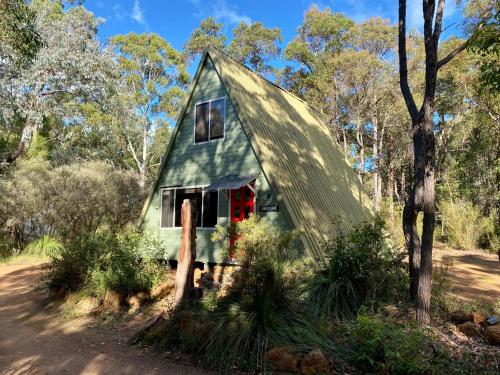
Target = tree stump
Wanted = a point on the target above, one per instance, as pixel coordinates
(185, 265)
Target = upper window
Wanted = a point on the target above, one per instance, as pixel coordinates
(205, 202)
(209, 120)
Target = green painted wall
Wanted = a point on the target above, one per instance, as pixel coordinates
(192, 165)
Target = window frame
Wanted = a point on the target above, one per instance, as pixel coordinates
(209, 118)
(174, 189)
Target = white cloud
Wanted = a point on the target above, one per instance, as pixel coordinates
(415, 13)
(118, 12)
(138, 14)
(221, 11)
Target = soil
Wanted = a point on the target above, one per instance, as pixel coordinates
(475, 275)
(36, 337)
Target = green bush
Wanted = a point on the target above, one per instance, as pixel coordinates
(258, 314)
(104, 262)
(383, 345)
(43, 247)
(361, 267)
(66, 202)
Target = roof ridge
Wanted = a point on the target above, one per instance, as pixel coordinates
(261, 77)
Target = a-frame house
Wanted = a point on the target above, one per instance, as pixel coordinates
(244, 145)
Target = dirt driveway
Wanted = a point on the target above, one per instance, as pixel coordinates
(35, 340)
(475, 275)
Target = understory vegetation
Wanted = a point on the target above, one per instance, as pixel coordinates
(352, 306)
(96, 264)
(41, 202)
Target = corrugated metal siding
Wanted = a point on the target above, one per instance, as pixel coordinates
(298, 154)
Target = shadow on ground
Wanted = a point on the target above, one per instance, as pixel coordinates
(34, 339)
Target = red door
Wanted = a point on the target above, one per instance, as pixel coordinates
(242, 205)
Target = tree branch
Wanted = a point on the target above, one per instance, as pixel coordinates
(451, 55)
(134, 156)
(403, 63)
(438, 22)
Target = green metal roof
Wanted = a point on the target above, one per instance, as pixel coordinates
(298, 154)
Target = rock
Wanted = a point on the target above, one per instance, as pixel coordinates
(315, 362)
(459, 317)
(197, 277)
(282, 359)
(138, 299)
(492, 334)
(87, 305)
(479, 317)
(143, 296)
(163, 289)
(469, 329)
(134, 302)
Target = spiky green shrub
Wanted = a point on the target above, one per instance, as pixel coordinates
(361, 267)
(44, 247)
(257, 314)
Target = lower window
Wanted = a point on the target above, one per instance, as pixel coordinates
(205, 202)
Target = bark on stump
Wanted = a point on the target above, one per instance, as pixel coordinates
(185, 265)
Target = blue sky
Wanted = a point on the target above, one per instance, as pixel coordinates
(175, 19)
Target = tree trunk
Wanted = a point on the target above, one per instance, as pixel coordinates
(390, 188)
(359, 139)
(421, 199)
(142, 176)
(402, 188)
(26, 135)
(184, 283)
(377, 188)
